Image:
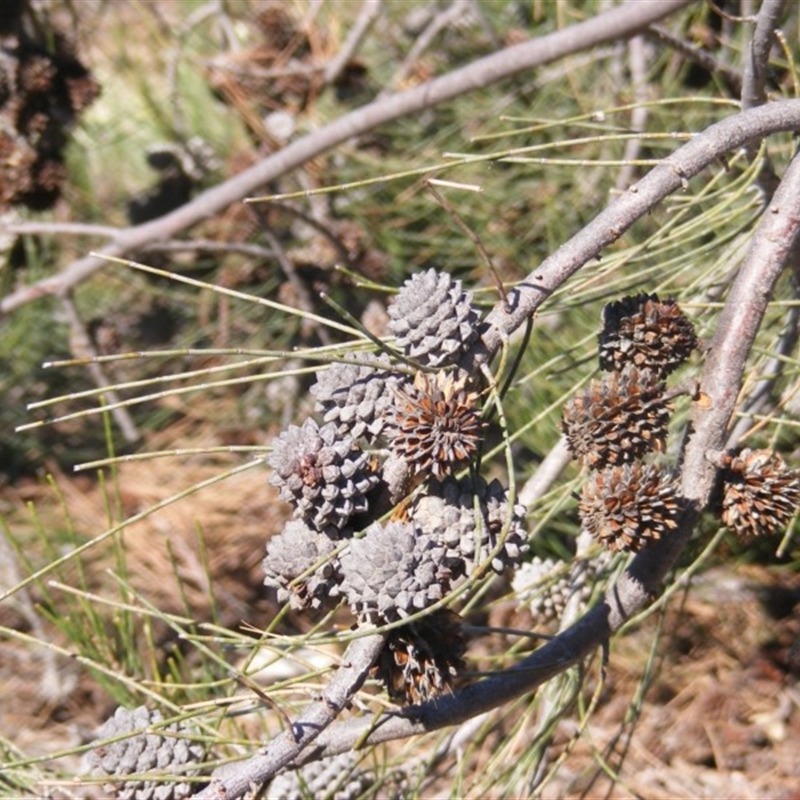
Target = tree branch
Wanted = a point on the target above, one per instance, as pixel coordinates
(774, 241)
(237, 779)
(754, 80)
(619, 23)
(638, 200)
(370, 10)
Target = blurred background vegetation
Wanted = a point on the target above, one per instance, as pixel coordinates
(192, 92)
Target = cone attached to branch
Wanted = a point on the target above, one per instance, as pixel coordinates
(433, 319)
(436, 427)
(357, 397)
(646, 332)
(629, 506)
(760, 493)
(420, 660)
(546, 585)
(475, 522)
(392, 572)
(300, 565)
(325, 476)
(617, 419)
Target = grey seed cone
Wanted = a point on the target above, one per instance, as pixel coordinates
(545, 585)
(392, 572)
(164, 751)
(356, 397)
(293, 552)
(336, 778)
(325, 477)
(433, 318)
(469, 533)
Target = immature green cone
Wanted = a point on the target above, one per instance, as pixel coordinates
(760, 493)
(645, 332)
(167, 751)
(433, 319)
(617, 419)
(629, 506)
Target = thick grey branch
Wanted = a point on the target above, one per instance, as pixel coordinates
(756, 60)
(619, 23)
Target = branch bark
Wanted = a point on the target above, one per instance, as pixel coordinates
(754, 79)
(619, 23)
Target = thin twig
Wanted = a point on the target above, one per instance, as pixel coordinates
(618, 23)
(236, 780)
(82, 347)
(444, 19)
(547, 473)
(697, 55)
(370, 10)
(756, 60)
(774, 368)
(637, 60)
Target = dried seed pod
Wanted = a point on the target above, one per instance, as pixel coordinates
(420, 660)
(627, 507)
(436, 426)
(295, 551)
(469, 517)
(324, 476)
(338, 777)
(617, 419)
(646, 332)
(357, 397)
(433, 318)
(165, 751)
(760, 493)
(392, 572)
(546, 585)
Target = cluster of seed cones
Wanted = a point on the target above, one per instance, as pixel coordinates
(619, 419)
(547, 585)
(43, 88)
(393, 437)
(613, 425)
